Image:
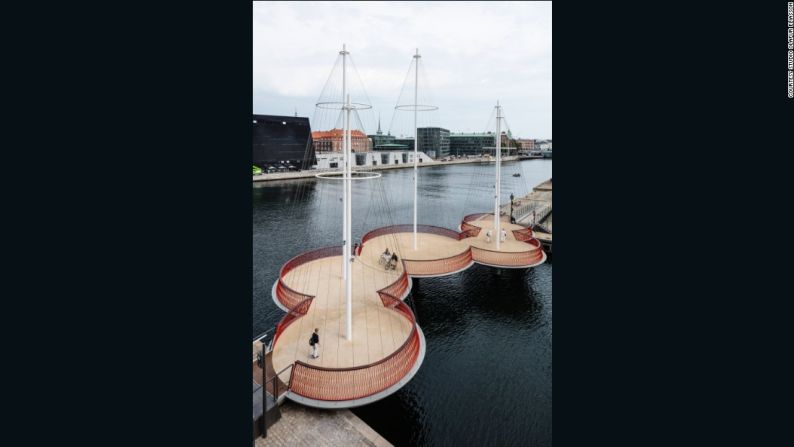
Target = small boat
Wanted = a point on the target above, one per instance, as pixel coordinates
(517, 174)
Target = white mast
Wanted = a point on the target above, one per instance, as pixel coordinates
(498, 183)
(349, 230)
(416, 139)
(346, 202)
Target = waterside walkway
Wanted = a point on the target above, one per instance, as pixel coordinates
(311, 427)
(311, 173)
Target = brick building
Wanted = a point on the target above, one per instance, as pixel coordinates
(331, 141)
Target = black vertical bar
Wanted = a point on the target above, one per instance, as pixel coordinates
(264, 395)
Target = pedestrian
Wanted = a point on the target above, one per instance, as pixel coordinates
(313, 342)
(394, 261)
(488, 236)
(504, 235)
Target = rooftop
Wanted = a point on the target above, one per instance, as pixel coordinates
(336, 133)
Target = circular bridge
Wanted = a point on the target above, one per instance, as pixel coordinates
(387, 345)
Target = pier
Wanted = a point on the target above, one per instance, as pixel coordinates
(534, 211)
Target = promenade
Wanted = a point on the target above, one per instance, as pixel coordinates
(303, 426)
(311, 173)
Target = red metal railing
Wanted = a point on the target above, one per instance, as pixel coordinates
(342, 384)
(468, 230)
(408, 228)
(432, 266)
(475, 216)
(507, 259)
(339, 384)
(524, 235)
(289, 297)
(438, 266)
(298, 311)
(396, 289)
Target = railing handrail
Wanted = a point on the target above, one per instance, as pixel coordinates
(370, 365)
(281, 271)
(261, 336)
(536, 248)
(279, 373)
(293, 312)
(440, 231)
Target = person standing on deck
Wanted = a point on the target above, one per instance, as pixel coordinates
(488, 236)
(503, 235)
(313, 342)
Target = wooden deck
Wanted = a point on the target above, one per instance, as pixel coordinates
(428, 247)
(510, 245)
(377, 331)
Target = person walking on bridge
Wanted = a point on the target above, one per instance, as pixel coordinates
(314, 341)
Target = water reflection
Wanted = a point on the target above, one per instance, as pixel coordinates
(486, 378)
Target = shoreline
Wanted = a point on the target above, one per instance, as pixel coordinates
(311, 173)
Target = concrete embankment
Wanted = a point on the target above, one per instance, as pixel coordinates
(310, 427)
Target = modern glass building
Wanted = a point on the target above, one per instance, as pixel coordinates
(470, 143)
(282, 141)
(434, 141)
(407, 142)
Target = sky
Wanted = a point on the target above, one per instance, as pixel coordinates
(473, 54)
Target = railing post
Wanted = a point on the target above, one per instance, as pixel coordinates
(263, 428)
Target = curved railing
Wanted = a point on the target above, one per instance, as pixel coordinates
(396, 289)
(289, 297)
(340, 384)
(408, 228)
(508, 259)
(475, 216)
(419, 267)
(524, 235)
(468, 230)
(296, 312)
(443, 266)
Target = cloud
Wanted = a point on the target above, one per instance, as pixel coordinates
(473, 53)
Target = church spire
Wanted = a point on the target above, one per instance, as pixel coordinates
(379, 131)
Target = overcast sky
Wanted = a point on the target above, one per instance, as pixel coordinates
(473, 53)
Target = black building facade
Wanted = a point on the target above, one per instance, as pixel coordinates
(282, 140)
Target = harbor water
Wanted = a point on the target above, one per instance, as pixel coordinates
(486, 376)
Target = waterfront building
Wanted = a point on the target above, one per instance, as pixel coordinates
(383, 142)
(463, 144)
(407, 142)
(526, 144)
(282, 141)
(331, 141)
(434, 141)
(332, 160)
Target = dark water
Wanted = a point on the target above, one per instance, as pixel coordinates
(486, 377)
